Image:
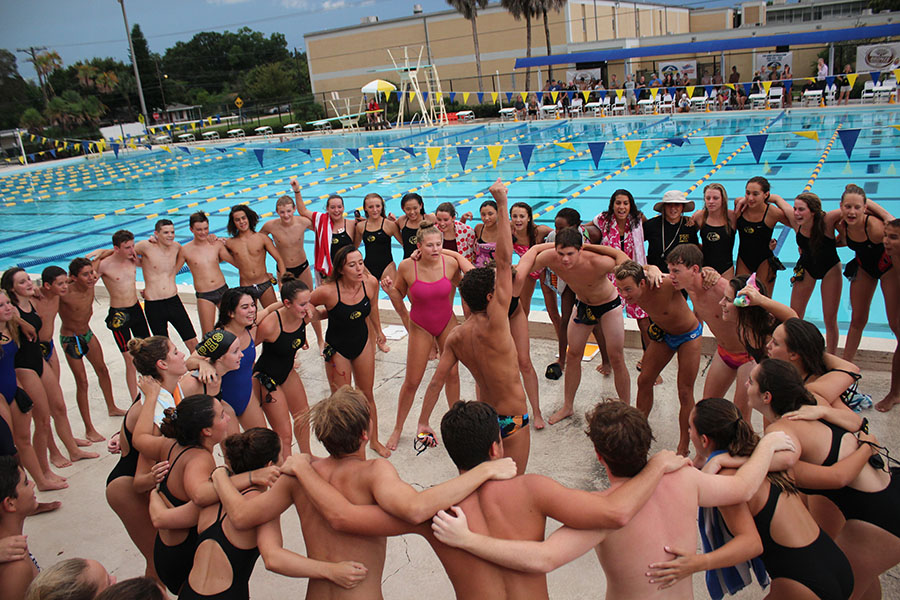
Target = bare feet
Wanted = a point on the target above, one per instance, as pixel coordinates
(383, 345)
(379, 448)
(563, 413)
(604, 369)
(49, 485)
(45, 507)
(115, 411)
(94, 436)
(887, 404)
(538, 421)
(59, 461)
(82, 454)
(393, 440)
(435, 352)
(82, 442)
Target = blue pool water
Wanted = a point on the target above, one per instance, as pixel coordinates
(53, 214)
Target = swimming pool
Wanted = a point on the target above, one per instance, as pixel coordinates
(53, 214)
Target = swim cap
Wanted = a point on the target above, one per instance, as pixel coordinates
(215, 344)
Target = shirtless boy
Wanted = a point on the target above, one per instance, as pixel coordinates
(203, 257)
(731, 359)
(160, 262)
(621, 437)
(288, 231)
(892, 248)
(674, 329)
(17, 501)
(596, 301)
(76, 339)
(125, 319)
(341, 423)
(484, 344)
(512, 509)
(249, 248)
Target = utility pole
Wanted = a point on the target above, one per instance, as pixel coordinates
(32, 51)
(137, 76)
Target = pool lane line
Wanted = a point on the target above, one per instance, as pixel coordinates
(818, 168)
(728, 159)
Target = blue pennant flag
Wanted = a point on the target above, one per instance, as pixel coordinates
(409, 151)
(509, 96)
(188, 150)
(259, 154)
(354, 152)
(757, 143)
(150, 147)
(829, 81)
(305, 151)
(115, 149)
(218, 119)
(424, 96)
(602, 94)
(31, 157)
(53, 152)
(570, 94)
(678, 141)
(875, 75)
(848, 139)
(540, 96)
(788, 83)
(84, 147)
(672, 91)
(747, 88)
(452, 96)
(596, 149)
(480, 97)
(463, 153)
(708, 89)
(222, 150)
(525, 151)
(399, 95)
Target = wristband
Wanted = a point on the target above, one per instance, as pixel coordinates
(220, 467)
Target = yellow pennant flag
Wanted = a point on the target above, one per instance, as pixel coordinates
(632, 147)
(619, 93)
(167, 149)
(494, 153)
(729, 85)
(565, 146)
(21, 159)
(587, 96)
(713, 145)
(326, 156)
(766, 86)
(554, 95)
(690, 91)
(494, 96)
(653, 93)
(466, 97)
(897, 127)
(524, 96)
(810, 79)
(412, 96)
(433, 152)
(376, 156)
(851, 78)
(811, 135)
(440, 96)
(201, 148)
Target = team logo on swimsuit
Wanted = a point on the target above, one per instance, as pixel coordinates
(295, 345)
(355, 315)
(335, 240)
(749, 230)
(413, 240)
(117, 319)
(370, 238)
(712, 236)
(684, 238)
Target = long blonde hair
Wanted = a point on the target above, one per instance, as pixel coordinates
(11, 330)
(721, 188)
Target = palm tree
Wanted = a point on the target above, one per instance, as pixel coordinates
(44, 64)
(544, 6)
(469, 10)
(527, 9)
(106, 82)
(86, 75)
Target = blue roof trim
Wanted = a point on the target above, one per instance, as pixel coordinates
(812, 37)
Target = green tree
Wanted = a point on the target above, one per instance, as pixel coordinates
(274, 81)
(86, 74)
(884, 5)
(527, 9)
(545, 6)
(32, 120)
(14, 91)
(45, 64)
(147, 64)
(469, 10)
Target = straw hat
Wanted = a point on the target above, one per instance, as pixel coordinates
(674, 197)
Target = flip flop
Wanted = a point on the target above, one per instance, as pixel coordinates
(554, 371)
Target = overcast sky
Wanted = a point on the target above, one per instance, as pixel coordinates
(83, 29)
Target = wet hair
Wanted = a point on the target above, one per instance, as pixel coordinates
(468, 430)
(122, 236)
(894, 223)
(338, 262)
(49, 274)
(340, 421)
(332, 197)
(446, 207)
(291, 286)
(475, 287)
(570, 216)
(762, 182)
(6, 281)
(530, 229)
(817, 232)
(136, 588)
(198, 217)
(252, 218)
(229, 303)
(724, 194)
(10, 475)
(804, 339)
(569, 238)
(162, 223)
(427, 229)
(755, 324)
(284, 201)
(185, 423)
(621, 437)
(374, 196)
(852, 188)
(782, 380)
(63, 581)
(634, 215)
(417, 198)
(145, 353)
(688, 255)
(215, 344)
(252, 449)
(77, 265)
(721, 421)
(488, 204)
(629, 268)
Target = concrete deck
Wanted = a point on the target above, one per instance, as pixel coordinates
(85, 526)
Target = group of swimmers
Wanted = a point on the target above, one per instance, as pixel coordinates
(255, 408)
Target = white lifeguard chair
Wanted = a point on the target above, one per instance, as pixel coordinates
(431, 102)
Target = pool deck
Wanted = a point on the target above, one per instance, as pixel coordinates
(85, 525)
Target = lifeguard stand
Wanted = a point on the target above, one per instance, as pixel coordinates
(432, 104)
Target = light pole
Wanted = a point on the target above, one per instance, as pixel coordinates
(137, 76)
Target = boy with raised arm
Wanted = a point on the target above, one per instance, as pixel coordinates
(341, 423)
(249, 248)
(160, 262)
(674, 329)
(621, 438)
(203, 256)
(484, 344)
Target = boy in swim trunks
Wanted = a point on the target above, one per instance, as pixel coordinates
(249, 248)
(731, 361)
(118, 269)
(76, 339)
(891, 242)
(674, 329)
(203, 256)
(161, 259)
